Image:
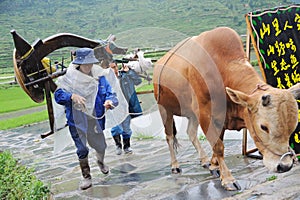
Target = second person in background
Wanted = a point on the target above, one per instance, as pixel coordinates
(128, 78)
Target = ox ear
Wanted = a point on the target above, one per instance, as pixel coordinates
(295, 90)
(237, 96)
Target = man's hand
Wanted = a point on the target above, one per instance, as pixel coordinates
(78, 99)
(125, 68)
(108, 104)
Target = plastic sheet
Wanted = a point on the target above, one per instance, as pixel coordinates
(86, 86)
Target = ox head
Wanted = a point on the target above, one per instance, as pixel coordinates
(271, 115)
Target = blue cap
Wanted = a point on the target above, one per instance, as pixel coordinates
(85, 56)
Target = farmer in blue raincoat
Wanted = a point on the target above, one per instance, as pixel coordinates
(86, 94)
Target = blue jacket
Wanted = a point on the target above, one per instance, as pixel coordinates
(78, 118)
(127, 82)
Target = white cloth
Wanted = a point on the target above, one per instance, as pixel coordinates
(142, 65)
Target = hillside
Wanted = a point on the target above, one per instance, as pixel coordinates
(144, 24)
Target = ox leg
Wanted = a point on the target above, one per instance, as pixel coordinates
(215, 139)
(170, 132)
(192, 132)
(228, 181)
(214, 167)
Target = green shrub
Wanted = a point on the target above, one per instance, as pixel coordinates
(18, 182)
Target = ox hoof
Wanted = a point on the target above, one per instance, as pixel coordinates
(176, 171)
(206, 165)
(215, 173)
(232, 186)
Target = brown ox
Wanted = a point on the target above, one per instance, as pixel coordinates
(209, 80)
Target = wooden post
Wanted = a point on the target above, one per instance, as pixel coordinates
(245, 152)
(245, 139)
(50, 110)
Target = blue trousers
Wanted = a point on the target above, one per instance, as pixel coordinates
(94, 137)
(123, 129)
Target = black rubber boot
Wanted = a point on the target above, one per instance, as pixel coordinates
(127, 148)
(85, 170)
(117, 139)
(100, 161)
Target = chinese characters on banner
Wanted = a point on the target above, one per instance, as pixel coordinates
(275, 34)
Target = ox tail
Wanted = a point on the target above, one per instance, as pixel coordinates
(175, 144)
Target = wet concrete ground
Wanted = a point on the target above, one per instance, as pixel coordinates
(146, 173)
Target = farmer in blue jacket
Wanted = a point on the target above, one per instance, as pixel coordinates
(86, 94)
(128, 78)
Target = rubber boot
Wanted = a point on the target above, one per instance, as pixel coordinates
(117, 139)
(85, 170)
(100, 161)
(127, 148)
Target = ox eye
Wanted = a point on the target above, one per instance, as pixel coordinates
(264, 128)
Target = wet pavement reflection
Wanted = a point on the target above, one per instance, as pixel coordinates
(146, 173)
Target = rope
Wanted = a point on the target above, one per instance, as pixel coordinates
(158, 81)
(27, 54)
(128, 113)
(260, 87)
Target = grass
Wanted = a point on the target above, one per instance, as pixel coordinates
(271, 178)
(18, 182)
(23, 120)
(202, 137)
(144, 87)
(14, 98)
(141, 136)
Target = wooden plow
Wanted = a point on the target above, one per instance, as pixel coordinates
(36, 79)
